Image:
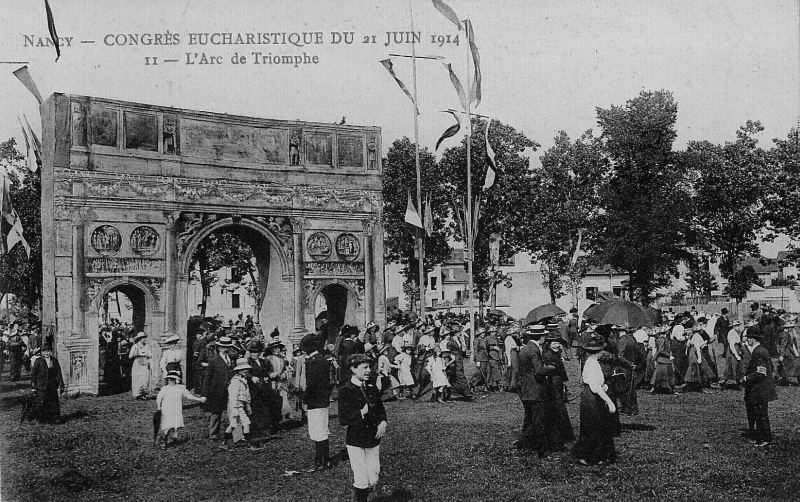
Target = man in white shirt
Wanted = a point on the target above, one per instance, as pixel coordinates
(733, 357)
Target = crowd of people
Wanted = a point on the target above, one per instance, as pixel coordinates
(251, 379)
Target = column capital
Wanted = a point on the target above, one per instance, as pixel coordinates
(79, 215)
(170, 217)
(298, 223)
(368, 225)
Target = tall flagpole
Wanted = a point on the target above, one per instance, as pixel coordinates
(470, 230)
(421, 233)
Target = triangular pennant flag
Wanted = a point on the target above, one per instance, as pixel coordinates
(447, 12)
(35, 143)
(457, 84)
(6, 211)
(29, 154)
(412, 216)
(428, 217)
(51, 27)
(577, 252)
(24, 76)
(387, 63)
(450, 131)
(475, 88)
(491, 166)
(15, 235)
(476, 218)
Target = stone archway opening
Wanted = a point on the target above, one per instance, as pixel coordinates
(234, 271)
(123, 310)
(332, 303)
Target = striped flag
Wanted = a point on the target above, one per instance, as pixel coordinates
(491, 166)
(412, 216)
(51, 27)
(387, 63)
(475, 88)
(450, 131)
(15, 234)
(24, 76)
(447, 12)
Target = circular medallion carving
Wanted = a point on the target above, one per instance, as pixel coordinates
(144, 241)
(318, 246)
(347, 247)
(106, 240)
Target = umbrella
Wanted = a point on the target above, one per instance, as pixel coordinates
(496, 312)
(620, 312)
(542, 312)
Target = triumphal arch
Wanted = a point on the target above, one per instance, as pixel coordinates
(130, 191)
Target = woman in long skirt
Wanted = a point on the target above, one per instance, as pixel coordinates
(140, 356)
(789, 354)
(696, 375)
(595, 443)
(663, 379)
(560, 428)
(512, 359)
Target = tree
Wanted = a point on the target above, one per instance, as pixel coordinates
(740, 282)
(400, 178)
(563, 201)
(643, 223)
(501, 206)
(20, 275)
(700, 280)
(225, 250)
(730, 184)
(782, 205)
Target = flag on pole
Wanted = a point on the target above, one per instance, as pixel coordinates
(577, 252)
(35, 143)
(29, 155)
(450, 131)
(15, 233)
(24, 76)
(476, 217)
(491, 166)
(475, 88)
(412, 216)
(447, 12)
(387, 63)
(51, 27)
(428, 217)
(462, 96)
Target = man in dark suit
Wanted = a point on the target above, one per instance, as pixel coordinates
(631, 350)
(759, 389)
(47, 381)
(532, 378)
(317, 397)
(215, 385)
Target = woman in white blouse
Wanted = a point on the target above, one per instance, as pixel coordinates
(595, 443)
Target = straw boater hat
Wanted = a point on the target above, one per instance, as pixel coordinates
(176, 375)
(370, 325)
(140, 335)
(535, 330)
(224, 342)
(737, 322)
(242, 364)
(172, 338)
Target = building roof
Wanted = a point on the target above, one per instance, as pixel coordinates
(603, 270)
(761, 265)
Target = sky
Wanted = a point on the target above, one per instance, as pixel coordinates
(546, 66)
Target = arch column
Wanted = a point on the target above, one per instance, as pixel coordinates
(297, 266)
(369, 295)
(169, 282)
(79, 217)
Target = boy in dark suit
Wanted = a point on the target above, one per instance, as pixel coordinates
(317, 397)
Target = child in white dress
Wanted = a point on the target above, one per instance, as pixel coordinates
(436, 367)
(403, 362)
(170, 401)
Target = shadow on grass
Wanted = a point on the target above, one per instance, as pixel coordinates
(71, 481)
(638, 427)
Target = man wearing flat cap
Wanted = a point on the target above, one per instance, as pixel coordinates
(759, 390)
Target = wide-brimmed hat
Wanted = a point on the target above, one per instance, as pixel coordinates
(274, 344)
(480, 331)
(172, 338)
(390, 325)
(535, 330)
(554, 337)
(173, 374)
(224, 342)
(139, 336)
(356, 359)
(370, 325)
(595, 343)
(255, 346)
(429, 329)
(242, 364)
(368, 347)
(736, 323)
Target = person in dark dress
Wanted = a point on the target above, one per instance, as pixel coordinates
(112, 375)
(759, 390)
(259, 370)
(215, 386)
(47, 382)
(533, 373)
(362, 411)
(629, 349)
(16, 352)
(595, 443)
(558, 424)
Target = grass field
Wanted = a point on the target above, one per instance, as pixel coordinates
(684, 447)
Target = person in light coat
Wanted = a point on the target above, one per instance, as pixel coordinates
(141, 358)
(169, 402)
(239, 403)
(171, 356)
